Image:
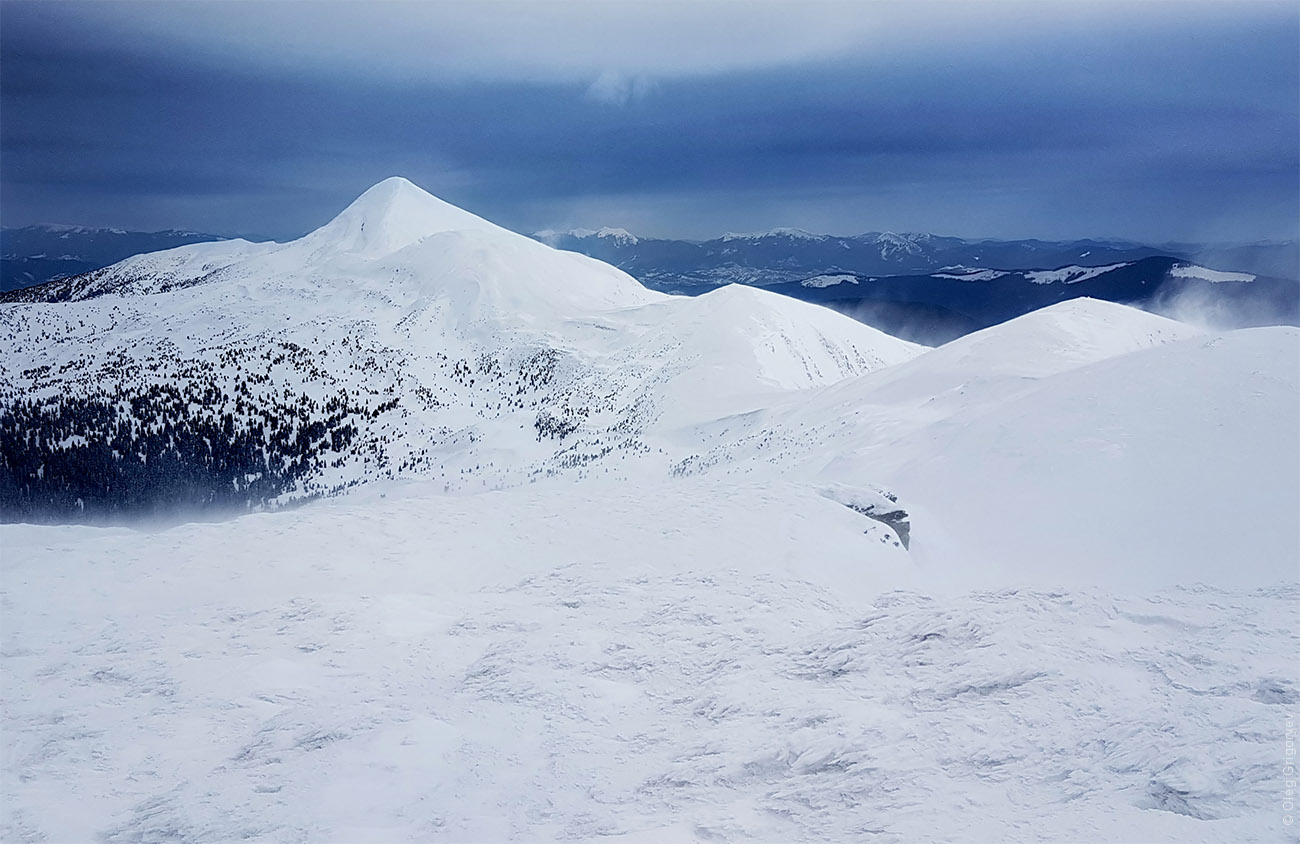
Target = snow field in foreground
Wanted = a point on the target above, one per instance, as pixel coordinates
(568, 662)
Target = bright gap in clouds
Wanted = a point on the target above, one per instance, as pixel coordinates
(612, 45)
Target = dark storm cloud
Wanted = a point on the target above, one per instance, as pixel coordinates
(1179, 126)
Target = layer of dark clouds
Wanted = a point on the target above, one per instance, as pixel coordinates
(1173, 122)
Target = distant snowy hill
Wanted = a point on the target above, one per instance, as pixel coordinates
(597, 562)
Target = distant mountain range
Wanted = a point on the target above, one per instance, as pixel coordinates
(941, 306)
(921, 287)
(784, 255)
(933, 289)
(35, 254)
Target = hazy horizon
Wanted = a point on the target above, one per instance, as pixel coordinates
(52, 224)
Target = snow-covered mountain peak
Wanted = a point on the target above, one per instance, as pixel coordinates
(893, 244)
(433, 344)
(781, 232)
(390, 216)
(396, 243)
(621, 236)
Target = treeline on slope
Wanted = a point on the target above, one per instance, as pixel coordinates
(70, 459)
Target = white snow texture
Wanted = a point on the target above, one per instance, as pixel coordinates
(680, 615)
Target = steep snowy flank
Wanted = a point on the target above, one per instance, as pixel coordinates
(480, 278)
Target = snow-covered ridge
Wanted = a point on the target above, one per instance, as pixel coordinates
(622, 237)
(1070, 275)
(1206, 274)
(973, 275)
(1064, 336)
(893, 244)
(782, 232)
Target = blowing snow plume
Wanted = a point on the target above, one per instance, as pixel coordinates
(1220, 300)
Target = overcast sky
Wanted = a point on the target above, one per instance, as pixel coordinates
(1152, 120)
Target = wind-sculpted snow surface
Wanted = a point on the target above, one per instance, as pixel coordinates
(698, 662)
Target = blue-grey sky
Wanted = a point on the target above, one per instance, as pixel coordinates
(1153, 121)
